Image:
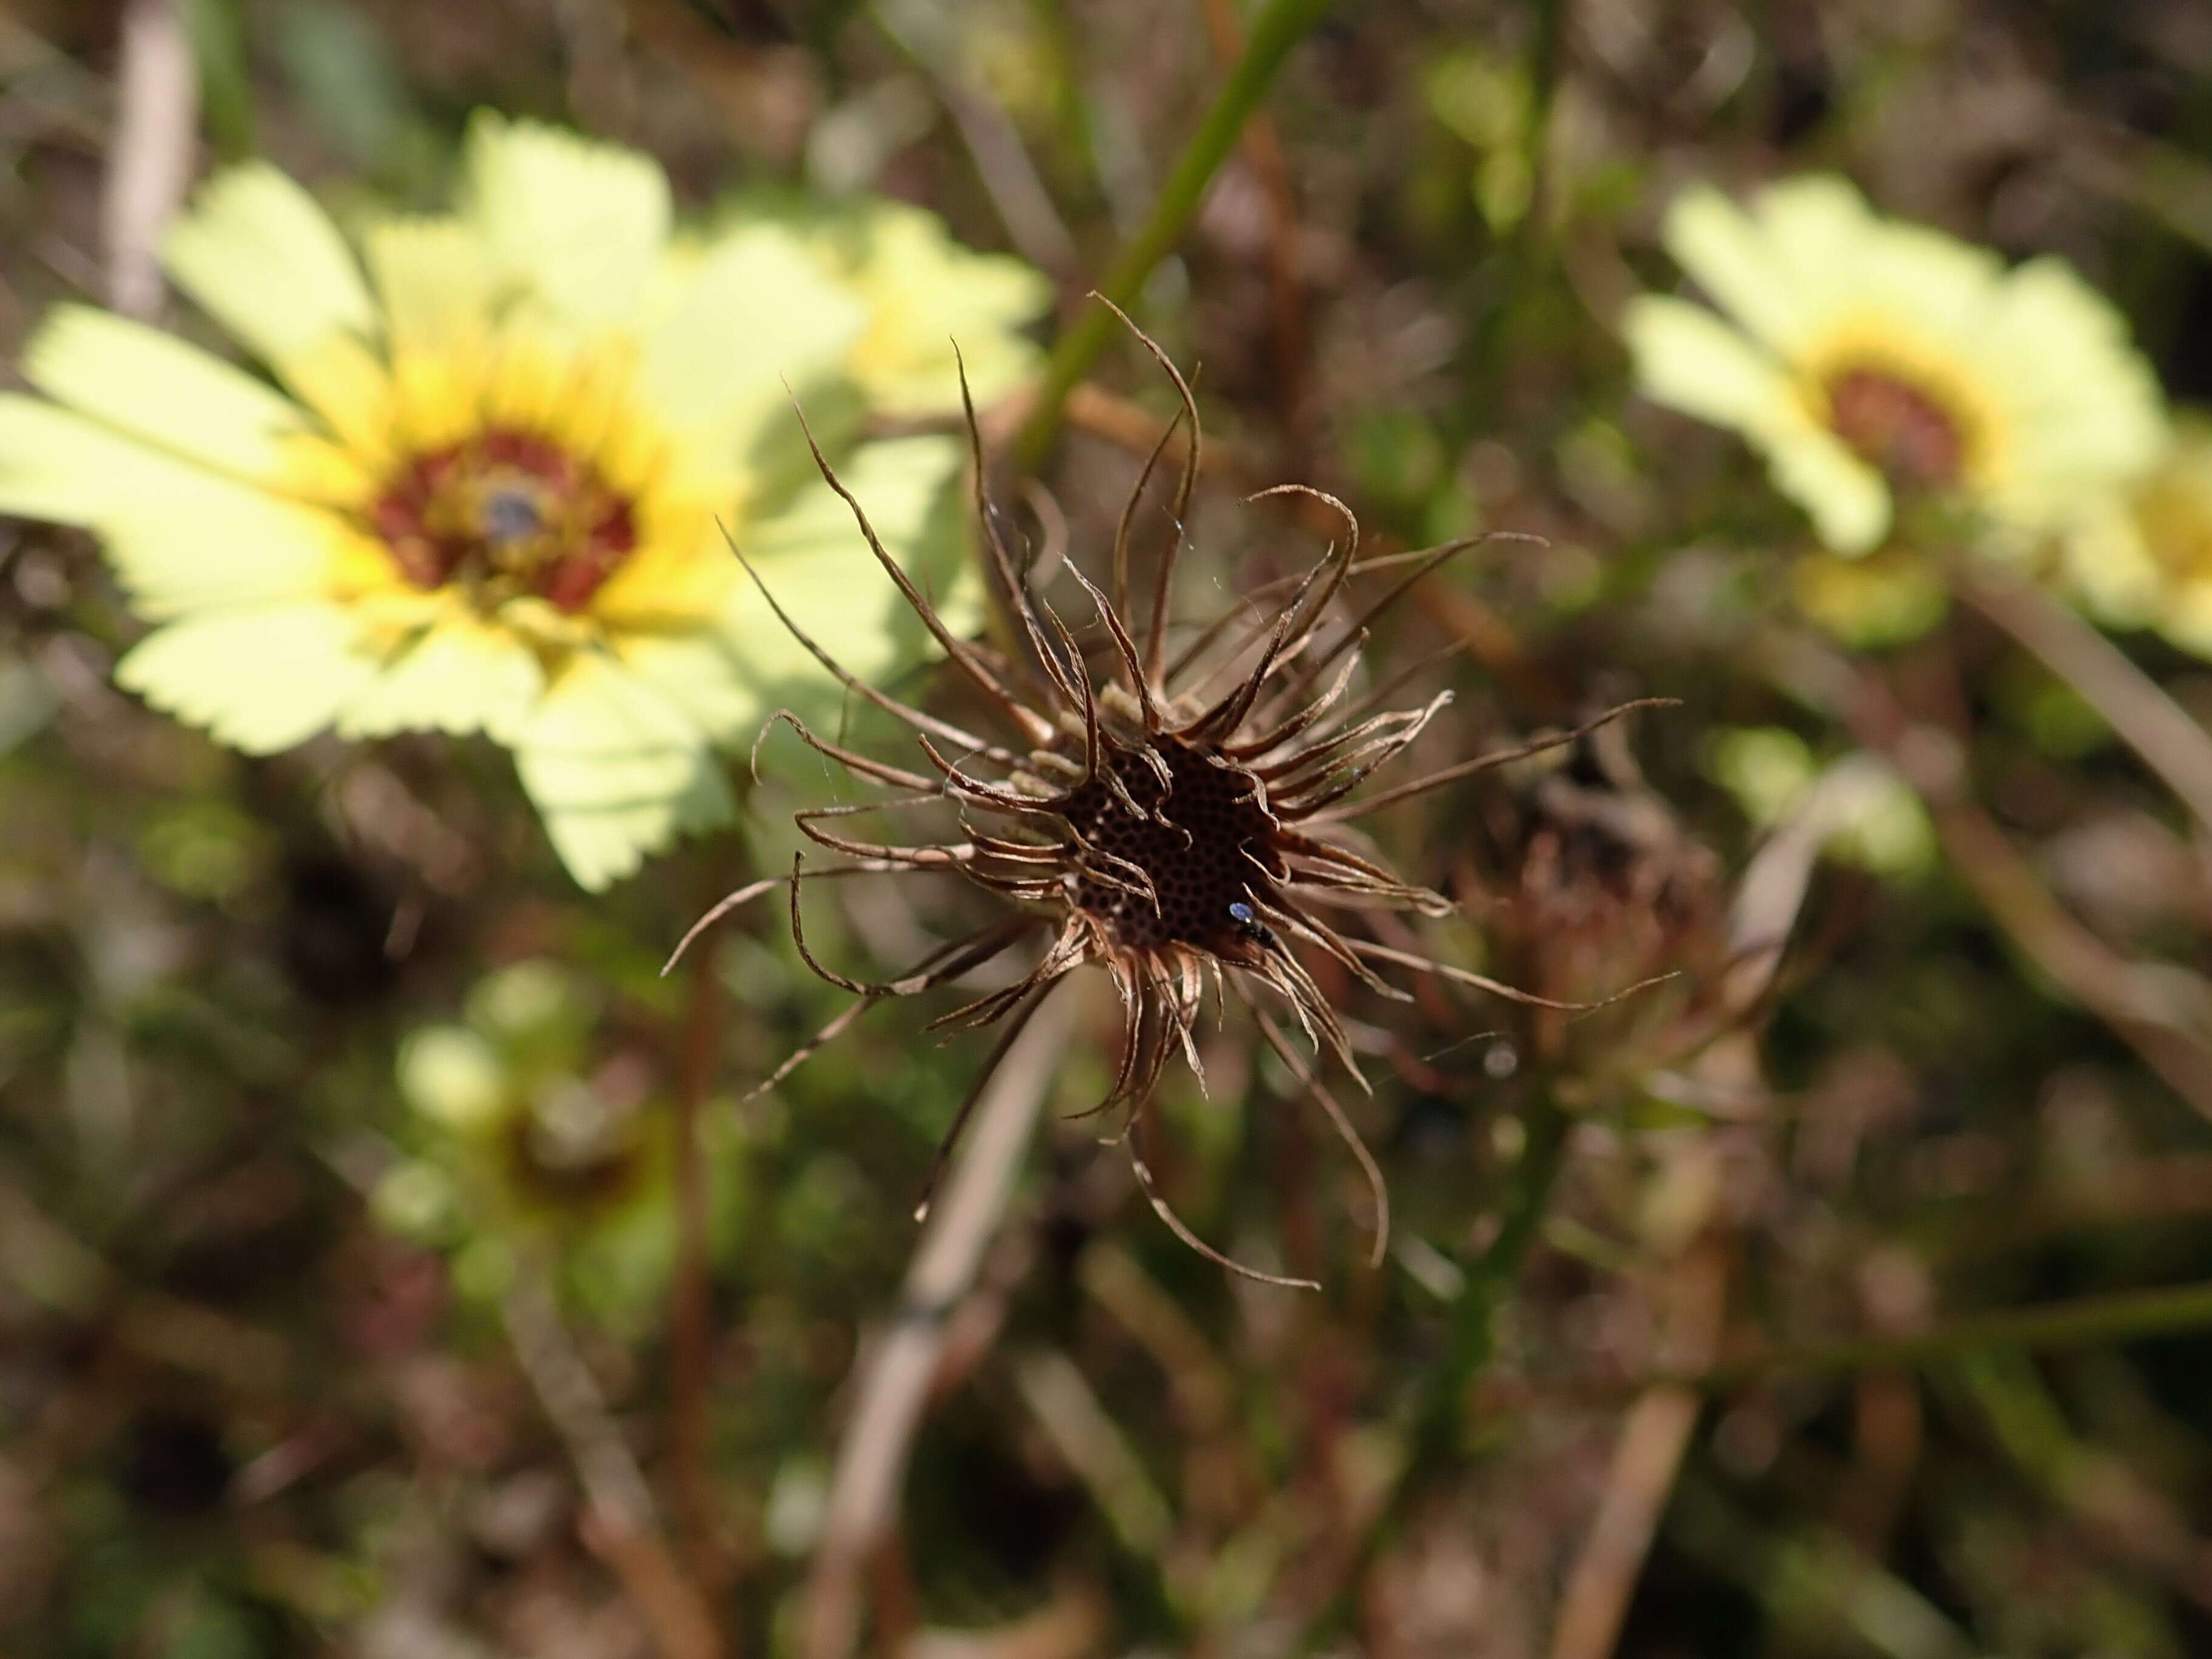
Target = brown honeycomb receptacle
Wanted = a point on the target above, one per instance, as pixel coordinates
(1205, 843)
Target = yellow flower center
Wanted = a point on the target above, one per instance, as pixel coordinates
(2175, 512)
(503, 513)
(1905, 429)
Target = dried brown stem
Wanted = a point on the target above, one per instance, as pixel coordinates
(150, 161)
(1176, 1225)
(1033, 729)
(623, 1526)
(893, 1378)
(2150, 722)
(2163, 1013)
(691, 1314)
(1486, 763)
(1645, 1459)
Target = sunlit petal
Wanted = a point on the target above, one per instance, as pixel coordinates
(181, 538)
(155, 386)
(460, 675)
(259, 256)
(617, 769)
(260, 679)
(436, 279)
(577, 223)
(713, 370)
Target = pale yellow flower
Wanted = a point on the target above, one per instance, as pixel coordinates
(926, 293)
(482, 493)
(1868, 358)
(2149, 563)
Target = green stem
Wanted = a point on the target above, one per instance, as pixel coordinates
(1525, 257)
(1535, 136)
(1490, 1272)
(2122, 1316)
(1281, 26)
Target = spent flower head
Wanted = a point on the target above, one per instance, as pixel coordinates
(1875, 362)
(1180, 821)
(481, 494)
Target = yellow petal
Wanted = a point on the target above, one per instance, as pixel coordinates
(1818, 232)
(1687, 358)
(617, 769)
(706, 674)
(760, 320)
(1719, 245)
(598, 414)
(1848, 501)
(1690, 360)
(260, 679)
(438, 396)
(529, 383)
(2089, 406)
(181, 538)
(263, 259)
(811, 554)
(814, 560)
(438, 280)
(1927, 285)
(578, 224)
(926, 295)
(155, 386)
(349, 386)
(2186, 619)
(2111, 567)
(460, 675)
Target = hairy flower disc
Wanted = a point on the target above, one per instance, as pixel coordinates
(1181, 835)
(1170, 837)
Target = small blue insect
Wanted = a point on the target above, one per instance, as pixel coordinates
(1249, 925)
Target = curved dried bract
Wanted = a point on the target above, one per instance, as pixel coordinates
(1164, 821)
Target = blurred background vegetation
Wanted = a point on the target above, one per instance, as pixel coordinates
(1694, 1339)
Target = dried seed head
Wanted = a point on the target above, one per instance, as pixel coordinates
(1188, 824)
(1176, 826)
(1586, 880)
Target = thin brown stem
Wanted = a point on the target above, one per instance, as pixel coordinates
(1487, 762)
(893, 1376)
(2148, 721)
(690, 1313)
(2163, 1013)
(620, 1521)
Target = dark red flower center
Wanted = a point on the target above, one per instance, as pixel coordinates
(1201, 838)
(503, 514)
(1898, 427)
